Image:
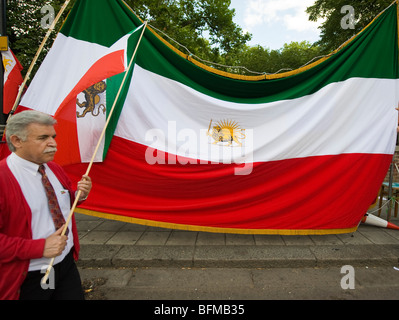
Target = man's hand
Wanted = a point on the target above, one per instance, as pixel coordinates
(84, 186)
(55, 244)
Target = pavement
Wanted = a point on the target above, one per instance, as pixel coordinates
(114, 244)
(122, 261)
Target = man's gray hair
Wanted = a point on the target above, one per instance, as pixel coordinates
(18, 125)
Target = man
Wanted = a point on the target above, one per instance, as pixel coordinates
(29, 237)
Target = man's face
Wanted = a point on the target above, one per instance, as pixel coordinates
(40, 146)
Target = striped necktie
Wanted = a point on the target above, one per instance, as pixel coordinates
(53, 205)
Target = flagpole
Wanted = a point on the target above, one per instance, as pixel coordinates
(44, 279)
(3, 32)
(27, 77)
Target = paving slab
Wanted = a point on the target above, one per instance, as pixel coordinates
(154, 256)
(98, 256)
(253, 256)
(367, 255)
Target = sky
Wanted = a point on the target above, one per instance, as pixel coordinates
(275, 22)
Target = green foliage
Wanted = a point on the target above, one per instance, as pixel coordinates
(204, 27)
(292, 56)
(332, 34)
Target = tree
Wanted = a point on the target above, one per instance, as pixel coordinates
(335, 30)
(26, 27)
(204, 27)
(292, 56)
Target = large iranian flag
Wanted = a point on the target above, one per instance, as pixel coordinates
(197, 149)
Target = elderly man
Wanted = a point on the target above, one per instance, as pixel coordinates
(35, 201)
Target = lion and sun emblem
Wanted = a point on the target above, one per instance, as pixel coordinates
(226, 132)
(92, 97)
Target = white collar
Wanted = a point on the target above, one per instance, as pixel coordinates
(28, 166)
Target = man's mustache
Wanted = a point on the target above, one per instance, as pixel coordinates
(50, 150)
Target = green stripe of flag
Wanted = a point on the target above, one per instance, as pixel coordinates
(113, 85)
(372, 54)
(99, 21)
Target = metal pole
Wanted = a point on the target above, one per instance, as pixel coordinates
(3, 32)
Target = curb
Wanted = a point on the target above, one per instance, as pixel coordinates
(120, 256)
